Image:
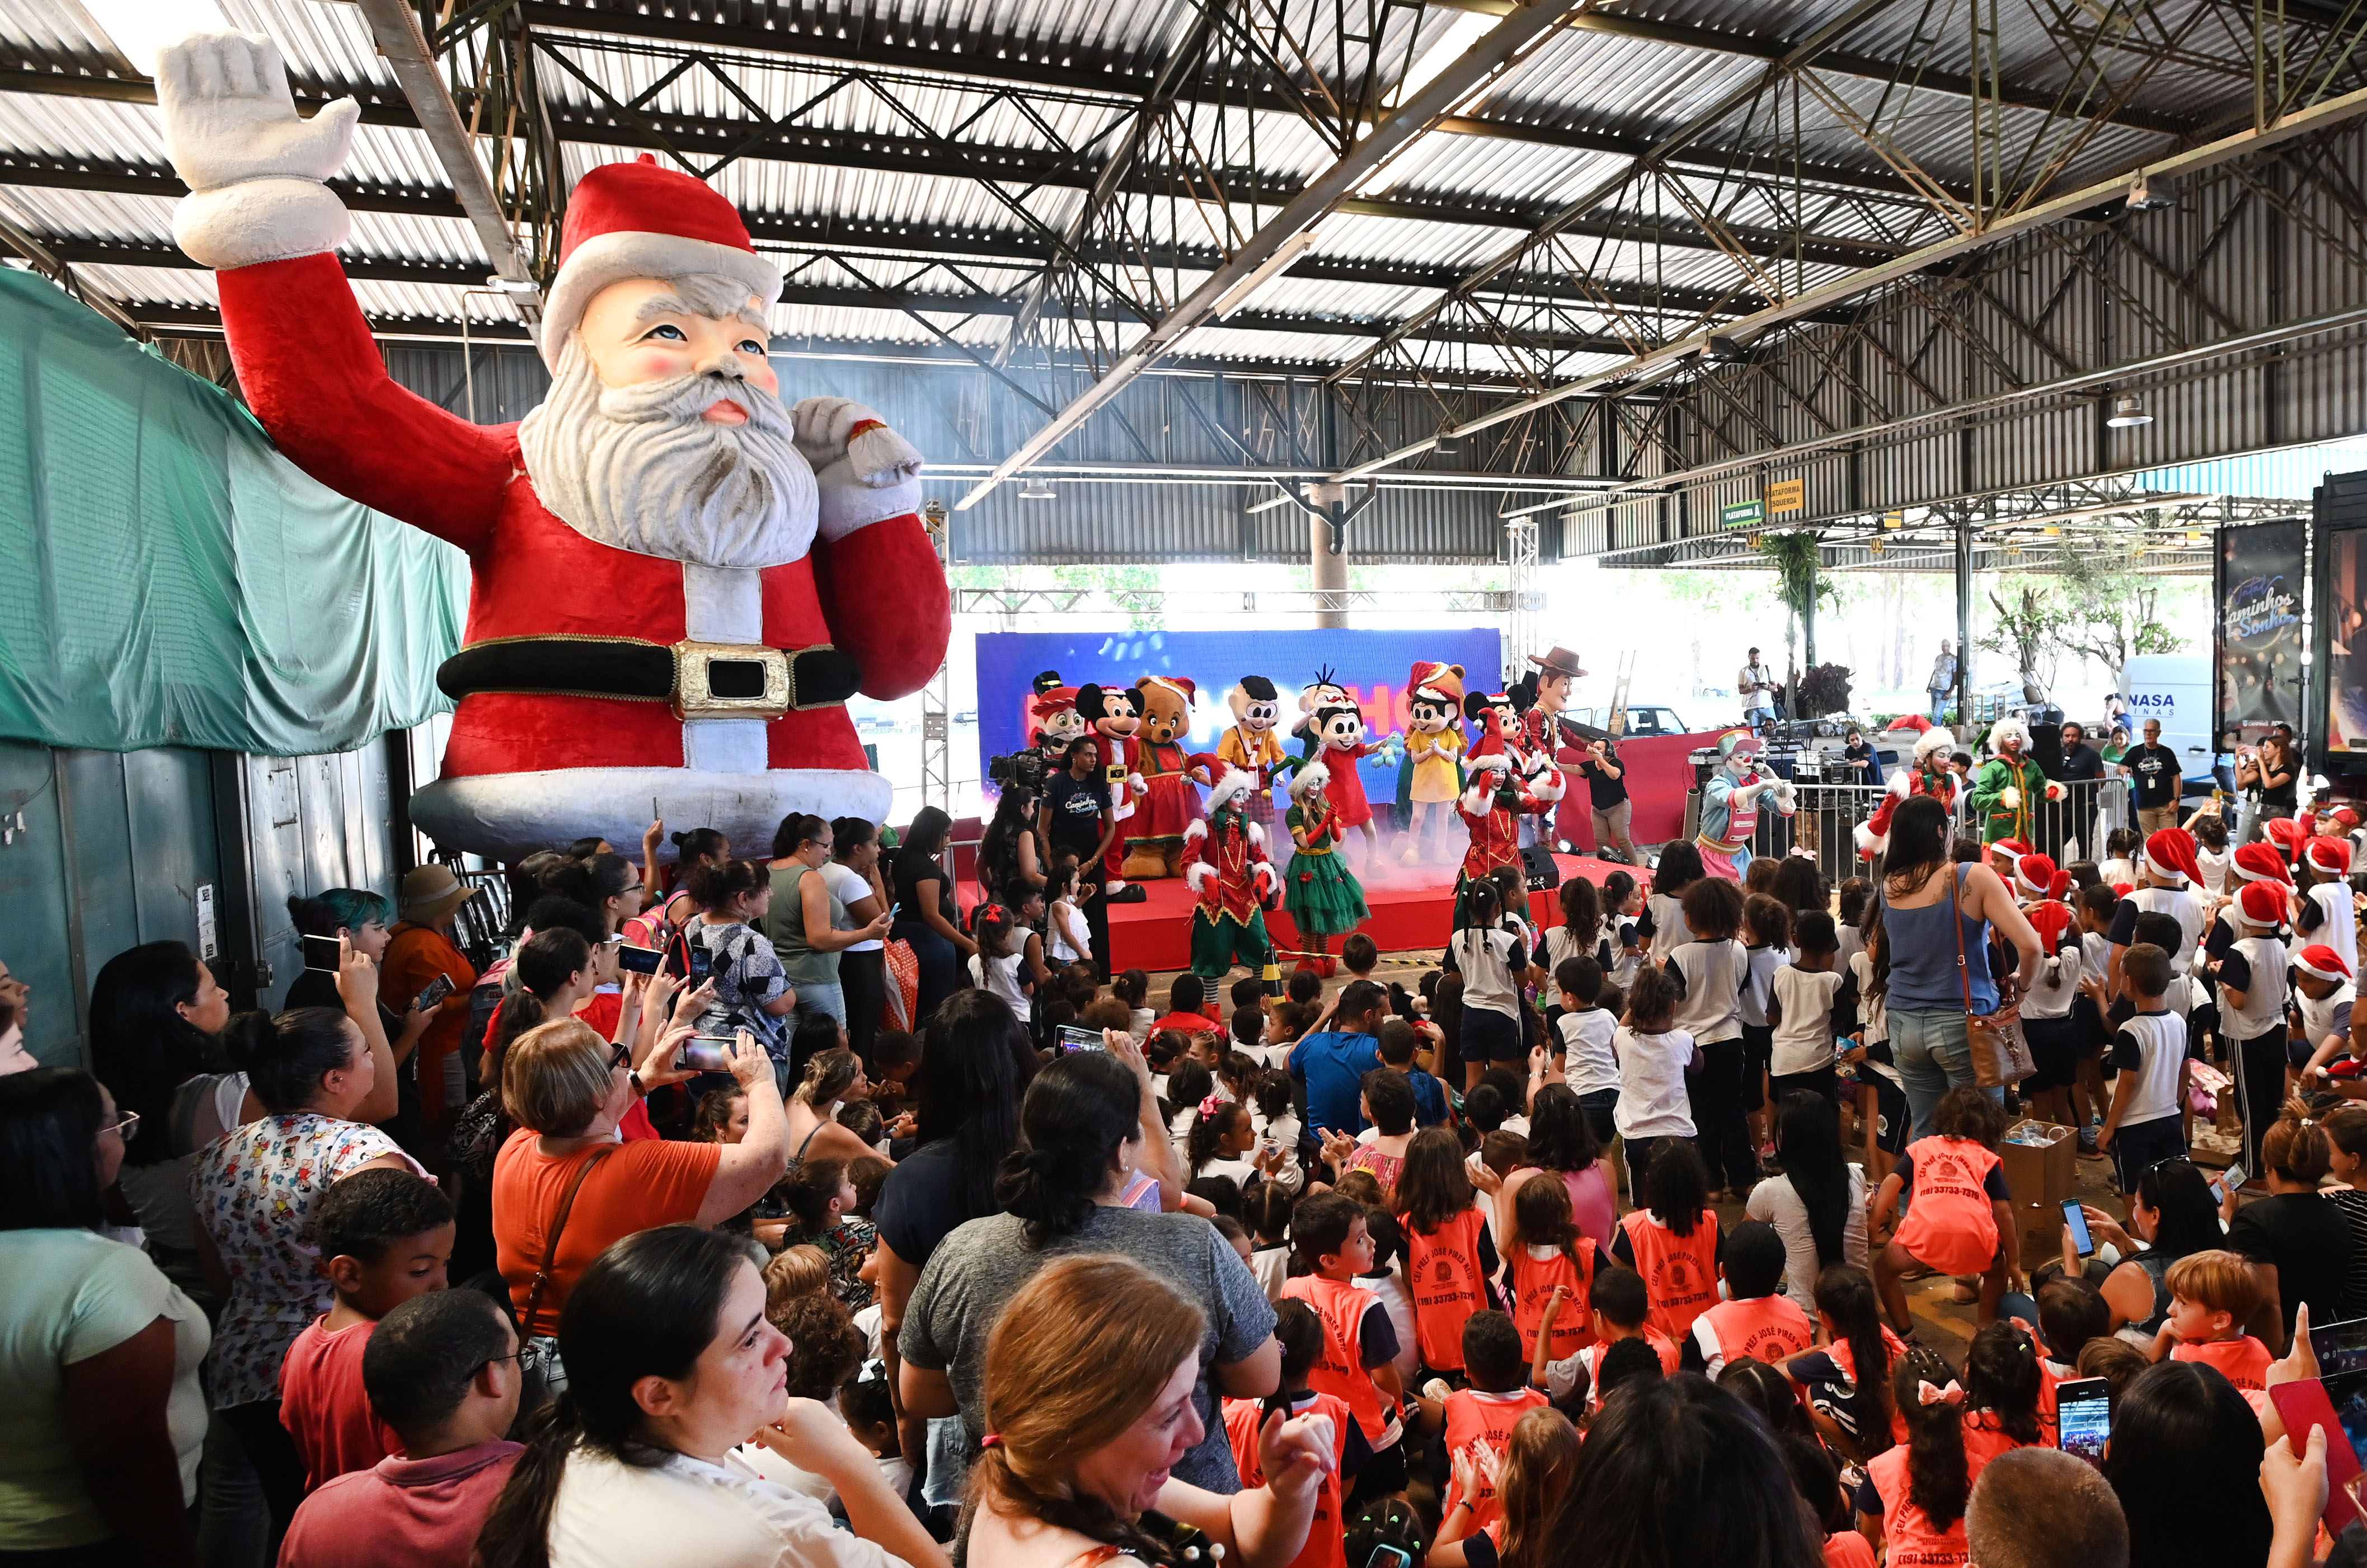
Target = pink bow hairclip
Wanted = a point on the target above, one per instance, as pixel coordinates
(1926, 1394)
(1211, 1105)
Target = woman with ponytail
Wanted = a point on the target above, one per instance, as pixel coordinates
(671, 1365)
(1849, 1380)
(1087, 1123)
(1911, 1503)
(699, 847)
(1092, 1410)
(256, 1190)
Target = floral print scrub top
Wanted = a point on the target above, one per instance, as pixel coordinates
(256, 1190)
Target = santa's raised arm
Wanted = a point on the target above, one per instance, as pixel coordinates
(678, 579)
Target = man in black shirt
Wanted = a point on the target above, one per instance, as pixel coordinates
(2080, 760)
(1606, 789)
(2153, 777)
(1076, 819)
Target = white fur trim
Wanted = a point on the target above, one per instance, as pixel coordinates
(260, 221)
(1863, 836)
(1196, 875)
(1311, 777)
(510, 816)
(1477, 799)
(1263, 878)
(723, 604)
(1232, 784)
(1195, 831)
(2006, 729)
(848, 504)
(1257, 836)
(1548, 786)
(2055, 792)
(613, 257)
(1491, 762)
(1938, 737)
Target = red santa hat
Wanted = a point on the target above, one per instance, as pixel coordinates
(2261, 905)
(2260, 863)
(2051, 918)
(2124, 889)
(2172, 849)
(2329, 855)
(2323, 961)
(642, 219)
(2034, 874)
(2287, 834)
(2013, 849)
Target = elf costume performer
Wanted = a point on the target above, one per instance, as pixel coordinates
(678, 578)
(1250, 744)
(1729, 808)
(1431, 776)
(2007, 790)
(1925, 774)
(1224, 864)
(1320, 892)
(1501, 791)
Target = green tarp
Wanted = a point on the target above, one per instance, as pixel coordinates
(167, 578)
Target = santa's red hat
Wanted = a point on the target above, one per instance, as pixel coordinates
(642, 219)
(2260, 863)
(2034, 874)
(2323, 961)
(2051, 918)
(2288, 834)
(2329, 855)
(2261, 905)
(1914, 722)
(2172, 849)
(2124, 889)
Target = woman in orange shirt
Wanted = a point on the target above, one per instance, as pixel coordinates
(420, 947)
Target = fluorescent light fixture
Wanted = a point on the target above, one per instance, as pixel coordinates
(137, 29)
(1037, 490)
(2128, 413)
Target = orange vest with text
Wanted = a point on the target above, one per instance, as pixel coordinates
(1767, 1328)
(1534, 1280)
(1680, 1272)
(1443, 1274)
(1476, 1417)
(1243, 1418)
(1950, 1224)
(1339, 1371)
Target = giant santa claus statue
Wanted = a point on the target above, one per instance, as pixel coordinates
(678, 579)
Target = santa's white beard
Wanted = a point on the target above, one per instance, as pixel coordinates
(638, 468)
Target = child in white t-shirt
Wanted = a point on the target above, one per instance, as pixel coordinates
(1806, 994)
(1655, 1057)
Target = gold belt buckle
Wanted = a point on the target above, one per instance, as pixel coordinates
(730, 680)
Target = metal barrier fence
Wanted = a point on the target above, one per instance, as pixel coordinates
(1827, 816)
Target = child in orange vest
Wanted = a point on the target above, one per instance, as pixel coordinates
(1672, 1237)
(1549, 1255)
(1961, 1218)
(1330, 1236)
(1911, 1503)
(1621, 1309)
(1483, 1416)
(2002, 1382)
(1300, 1334)
(1757, 1321)
(1848, 1381)
(2211, 1296)
(1449, 1255)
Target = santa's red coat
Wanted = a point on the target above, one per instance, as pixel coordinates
(314, 376)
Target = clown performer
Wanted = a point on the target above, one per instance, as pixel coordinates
(1251, 744)
(1335, 737)
(1926, 774)
(1499, 789)
(1729, 808)
(677, 577)
(1431, 776)
(2007, 790)
(1170, 775)
(1225, 865)
(1115, 713)
(1318, 889)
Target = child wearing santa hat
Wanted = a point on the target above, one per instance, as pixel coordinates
(2320, 1016)
(2326, 912)
(2252, 979)
(2166, 886)
(2046, 1021)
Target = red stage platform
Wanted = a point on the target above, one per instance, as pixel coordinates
(1413, 908)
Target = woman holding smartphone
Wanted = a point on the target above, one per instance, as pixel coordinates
(2172, 1213)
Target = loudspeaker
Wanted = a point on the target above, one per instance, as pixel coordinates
(1544, 872)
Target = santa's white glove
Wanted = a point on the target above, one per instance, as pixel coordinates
(255, 170)
(2055, 792)
(2010, 798)
(829, 429)
(848, 503)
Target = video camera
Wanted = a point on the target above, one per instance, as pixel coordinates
(1020, 770)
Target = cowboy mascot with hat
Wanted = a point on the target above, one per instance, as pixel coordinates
(2007, 790)
(1225, 866)
(1729, 807)
(1541, 698)
(1430, 776)
(1926, 773)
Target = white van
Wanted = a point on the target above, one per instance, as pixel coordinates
(2176, 689)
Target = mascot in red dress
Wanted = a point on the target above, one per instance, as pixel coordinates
(678, 578)
(1926, 774)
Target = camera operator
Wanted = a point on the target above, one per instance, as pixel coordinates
(1009, 862)
(1077, 818)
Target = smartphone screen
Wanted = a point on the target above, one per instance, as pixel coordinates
(431, 993)
(2084, 1410)
(2346, 1392)
(702, 963)
(321, 954)
(707, 1054)
(1076, 1037)
(2341, 1346)
(2076, 1219)
(2229, 1181)
(1388, 1556)
(639, 960)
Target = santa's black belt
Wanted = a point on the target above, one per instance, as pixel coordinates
(698, 680)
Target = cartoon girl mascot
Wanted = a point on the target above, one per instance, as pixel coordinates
(1431, 776)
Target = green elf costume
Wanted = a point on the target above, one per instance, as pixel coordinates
(1225, 865)
(2007, 790)
(1322, 895)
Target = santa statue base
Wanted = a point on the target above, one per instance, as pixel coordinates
(509, 815)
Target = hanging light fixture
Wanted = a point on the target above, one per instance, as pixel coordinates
(1037, 490)
(2128, 413)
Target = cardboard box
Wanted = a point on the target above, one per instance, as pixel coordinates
(2040, 1176)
